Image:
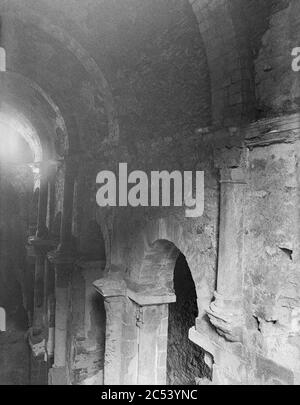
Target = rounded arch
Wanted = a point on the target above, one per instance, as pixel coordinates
(165, 272)
(155, 251)
(32, 113)
(19, 124)
(41, 22)
(158, 264)
(224, 60)
(60, 124)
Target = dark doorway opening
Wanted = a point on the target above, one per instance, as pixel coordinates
(185, 360)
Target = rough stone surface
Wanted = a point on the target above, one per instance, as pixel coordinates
(161, 85)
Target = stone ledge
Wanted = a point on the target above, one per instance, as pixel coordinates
(110, 287)
(151, 299)
(114, 285)
(273, 125)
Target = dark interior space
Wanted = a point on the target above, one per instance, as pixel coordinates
(16, 199)
(185, 360)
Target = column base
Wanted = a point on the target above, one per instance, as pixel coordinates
(57, 376)
(227, 316)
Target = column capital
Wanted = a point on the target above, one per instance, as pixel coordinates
(45, 167)
(115, 285)
(112, 285)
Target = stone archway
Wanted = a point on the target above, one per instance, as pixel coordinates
(137, 320)
(231, 89)
(165, 354)
(137, 314)
(41, 22)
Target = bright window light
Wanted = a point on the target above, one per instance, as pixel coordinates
(9, 148)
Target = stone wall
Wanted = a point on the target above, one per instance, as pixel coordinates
(277, 86)
(224, 66)
(169, 85)
(272, 254)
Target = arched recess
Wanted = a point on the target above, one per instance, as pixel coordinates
(61, 142)
(229, 72)
(31, 113)
(158, 263)
(164, 238)
(28, 16)
(19, 124)
(138, 289)
(165, 353)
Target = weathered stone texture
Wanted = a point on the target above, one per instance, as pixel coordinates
(277, 86)
(160, 85)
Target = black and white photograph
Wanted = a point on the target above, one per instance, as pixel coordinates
(149, 196)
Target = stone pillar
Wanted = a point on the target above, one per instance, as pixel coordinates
(42, 231)
(63, 259)
(136, 332)
(41, 245)
(63, 272)
(113, 290)
(71, 165)
(50, 311)
(153, 344)
(38, 333)
(226, 311)
(114, 307)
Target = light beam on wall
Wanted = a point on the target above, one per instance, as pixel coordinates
(12, 127)
(2, 60)
(9, 150)
(2, 320)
